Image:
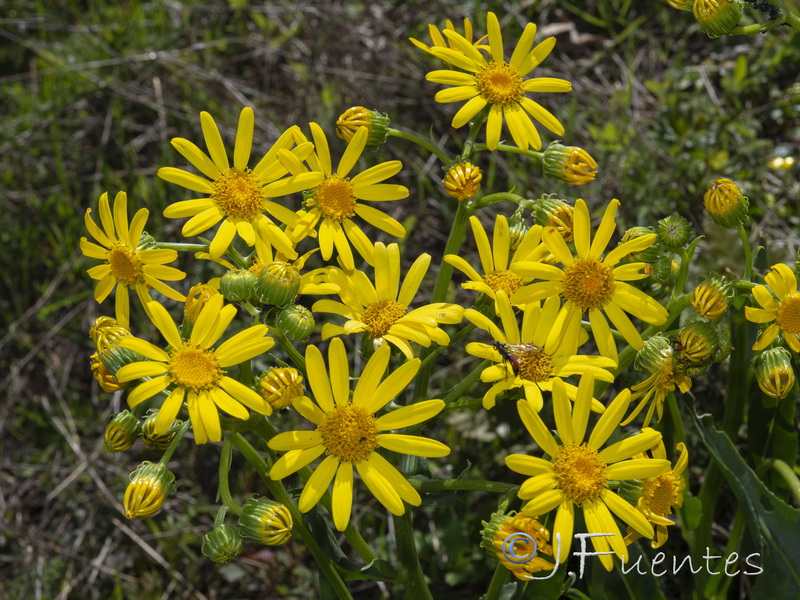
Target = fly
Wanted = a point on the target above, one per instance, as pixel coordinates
(515, 353)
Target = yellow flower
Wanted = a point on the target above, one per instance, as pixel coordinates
(125, 264)
(336, 200)
(519, 543)
(578, 472)
(238, 195)
(537, 357)
(438, 41)
(463, 181)
(498, 84)
(661, 494)
(592, 283)
(349, 433)
(381, 310)
(193, 370)
(783, 314)
(497, 260)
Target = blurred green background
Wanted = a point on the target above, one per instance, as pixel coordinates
(91, 93)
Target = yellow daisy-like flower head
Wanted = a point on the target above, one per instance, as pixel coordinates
(780, 308)
(497, 259)
(529, 356)
(125, 264)
(381, 310)
(349, 434)
(339, 198)
(498, 84)
(592, 283)
(578, 473)
(518, 542)
(237, 195)
(193, 370)
(662, 494)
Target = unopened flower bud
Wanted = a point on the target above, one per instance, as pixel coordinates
(517, 230)
(463, 181)
(674, 231)
(106, 333)
(147, 242)
(104, 377)
(569, 163)
(196, 299)
(121, 432)
(711, 298)
(655, 353)
(725, 203)
(223, 544)
(153, 439)
(552, 212)
(295, 321)
(280, 386)
(717, 17)
(150, 485)
(773, 369)
(350, 120)
(278, 284)
(518, 542)
(238, 285)
(697, 345)
(266, 522)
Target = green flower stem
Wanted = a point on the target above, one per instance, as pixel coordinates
(219, 520)
(490, 199)
(786, 473)
(473, 485)
(419, 141)
(741, 284)
(289, 348)
(683, 272)
(453, 245)
(535, 154)
(265, 429)
(182, 247)
(414, 580)
(461, 333)
(499, 579)
(173, 445)
(281, 495)
(462, 386)
(759, 27)
(748, 253)
(474, 128)
(224, 468)
(731, 421)
(792, 20)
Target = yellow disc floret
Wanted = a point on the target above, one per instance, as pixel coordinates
(661, 494)
(239, 194)
(534, 364)
(500, 83)
(580, 472)
(125, 265)
(194, 368)
(335, 198)
(503, 280)
(589, 283)
(349, 433)
(379, 317)
(788, 318)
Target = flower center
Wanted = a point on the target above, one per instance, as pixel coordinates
(534, 364)
(666, 377)
(660, 494)
(503, 280)
(382, 315)
(349, 433)
(195, 368)
(500, 83)
(239, 194)
(589, 283)
(580, 472)
(789, 314)
(125, 265)
(335, 197)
